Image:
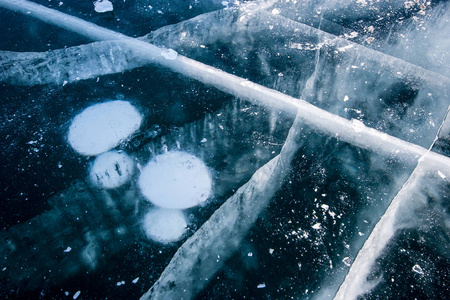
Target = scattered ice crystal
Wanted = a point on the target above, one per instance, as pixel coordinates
(103, 126)
(164, 225)
(68, 249)
(261, 286)
(418, 269)
(111, 169)
(135, 280)
(175, 180)
(102, 6)
(347, 261)
(317, 226)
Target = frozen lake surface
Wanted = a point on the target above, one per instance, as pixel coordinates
(225, 150)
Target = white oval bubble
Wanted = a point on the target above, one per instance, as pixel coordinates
(103, 126)
(176, 180)
(164, 225)
(111, 169)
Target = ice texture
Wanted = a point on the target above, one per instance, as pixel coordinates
(103, 126)
(359, 208)
(176, 180)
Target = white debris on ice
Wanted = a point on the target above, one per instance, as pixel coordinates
(102, 6)
(75, 296)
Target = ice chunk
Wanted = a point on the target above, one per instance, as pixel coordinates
(103, 126)
(164, 225)
(176, 180)
(111, 169)
(418, 269)
(102, 6)
(169, 54)
(75, 296)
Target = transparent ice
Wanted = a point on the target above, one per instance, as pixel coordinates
(324, 126)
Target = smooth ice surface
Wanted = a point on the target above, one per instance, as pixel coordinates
(111, 169)
(103, 126)
(164, 225)
(102, 6)
(371, 79)
(176, 180)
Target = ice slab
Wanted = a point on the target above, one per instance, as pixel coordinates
(103, 126)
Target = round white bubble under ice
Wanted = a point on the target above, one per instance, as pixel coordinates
(175, 180)
(101, 127)
(164, 225)
(111, 170)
